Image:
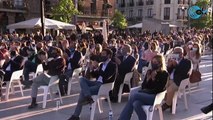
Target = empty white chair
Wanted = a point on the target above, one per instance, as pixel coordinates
(181, 91)
(54, 80)
(39, 70)
(149, 109)
(127, 81)
(75, 75)
(15, 78)
(103, 92)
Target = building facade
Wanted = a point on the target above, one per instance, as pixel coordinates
(154, 12)
(13, 11)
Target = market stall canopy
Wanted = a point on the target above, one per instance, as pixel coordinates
(139, 25)
(36, 22)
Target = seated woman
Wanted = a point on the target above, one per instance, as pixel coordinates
(154, 83)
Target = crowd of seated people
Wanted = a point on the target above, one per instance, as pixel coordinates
(62, 54)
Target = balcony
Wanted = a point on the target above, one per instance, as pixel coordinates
(183, 1)
(139, 18)
(166, 17)
(13, 5)
(140, 3)
(180, 17)
(130, 4)
(122, 5)
(149, 2)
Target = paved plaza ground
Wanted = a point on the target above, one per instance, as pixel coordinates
(16, 107)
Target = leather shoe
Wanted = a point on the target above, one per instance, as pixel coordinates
(34, 105)
(74, 118)
(87, 100)
(207, 109)
(165, 107)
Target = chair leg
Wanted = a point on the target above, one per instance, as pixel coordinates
(185, 100)
(12, 88)
(8, 85)
(69, 86)
(51, 93)
(20, 86)
(189, 88)
(174, 103)
(59, 93)
(160, 112)
(45, 97)
(109, 102)
(120, 92)
(100, 105)
(93, 107)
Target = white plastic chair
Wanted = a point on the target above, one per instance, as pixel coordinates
(103, 92)
(54, 80)
(39, 70)
(75, 75)
(144, 70)
(127, 81)
(149, 109)
(181, 91)
(14, 78)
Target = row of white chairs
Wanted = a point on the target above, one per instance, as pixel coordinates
(103, 92)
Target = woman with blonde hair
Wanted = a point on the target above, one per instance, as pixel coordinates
(154, 83)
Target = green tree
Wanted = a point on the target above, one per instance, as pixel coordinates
(119, 20)
(64, 11)
(204, 20)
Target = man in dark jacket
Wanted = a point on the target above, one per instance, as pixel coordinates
(126, 64)
(104, 74)
(55, 67)
(179, 69)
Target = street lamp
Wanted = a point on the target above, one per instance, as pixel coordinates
(183, 8)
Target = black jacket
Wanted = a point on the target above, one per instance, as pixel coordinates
(155, 86)
(181, 71)
(108, 75)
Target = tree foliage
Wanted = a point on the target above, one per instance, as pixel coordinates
(206, 19)
(64, 11)
(119, 20)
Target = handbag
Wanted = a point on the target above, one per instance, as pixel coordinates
(195, 76)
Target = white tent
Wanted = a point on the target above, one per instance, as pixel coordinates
(36, 22)
(139, 25)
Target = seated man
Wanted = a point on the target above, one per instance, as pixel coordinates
(179, 69)
(54, 67)
(104, 74)
(31, 66)
(13, 62)
(125, 63)
(73, 62)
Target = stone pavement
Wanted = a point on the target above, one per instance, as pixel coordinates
(16, 107)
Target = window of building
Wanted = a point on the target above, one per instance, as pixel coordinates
(130, 13)
(166, 13)
(149, 2)
(140, 13)
(18, 3)
(167, 1)
(149, 12)
(179, 13)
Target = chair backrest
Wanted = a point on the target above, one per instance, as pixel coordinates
(159, 98)
(53, 80)
(39, 69)
(128, 77)
(16, 75)
(76, 72)
(105, 88)
(183, 85)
